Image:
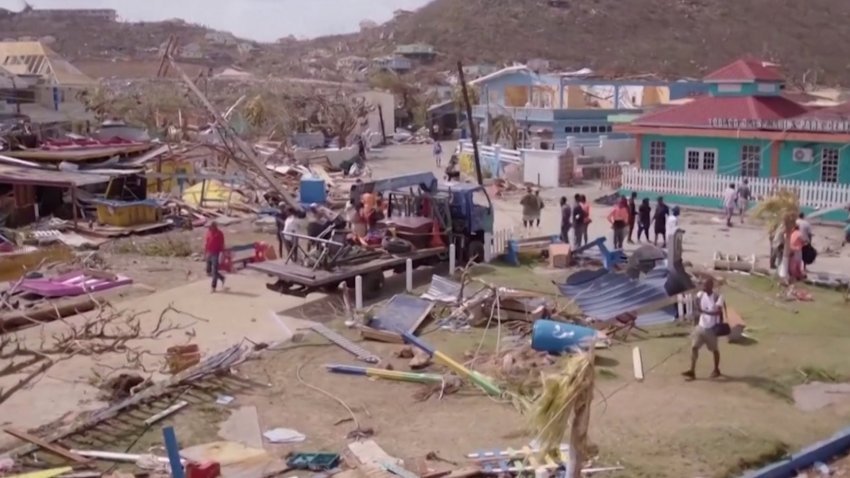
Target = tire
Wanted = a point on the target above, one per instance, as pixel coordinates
(475, 251)
(373, 282)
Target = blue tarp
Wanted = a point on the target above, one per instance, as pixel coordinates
(605, 295)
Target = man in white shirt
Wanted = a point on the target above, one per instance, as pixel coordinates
(295, 224)
(710, 311)
(730, 203)
(672, 224)
(805, 228)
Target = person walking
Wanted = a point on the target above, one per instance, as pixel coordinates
(540, 205)
(213, 247)
(632, 215)
(585, 206)
(796, 268)
(530, 208)
(744, 197)
(644, 219)
(619, 219)
(730, 202)
(566, 220)
(660, 220)
(672, 222)
(579, 224)
(438, 153)
(705, 332)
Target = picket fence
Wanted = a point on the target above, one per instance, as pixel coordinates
(812, 194)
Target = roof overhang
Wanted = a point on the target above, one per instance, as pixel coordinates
(734, 133)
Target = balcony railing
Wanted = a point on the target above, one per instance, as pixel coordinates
(517, 113)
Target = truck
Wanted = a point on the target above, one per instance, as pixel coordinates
(456, 213)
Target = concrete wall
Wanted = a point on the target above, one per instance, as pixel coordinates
(614, 150)
(541, 167)
(729, 156)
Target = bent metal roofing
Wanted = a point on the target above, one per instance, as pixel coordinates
(10, 174)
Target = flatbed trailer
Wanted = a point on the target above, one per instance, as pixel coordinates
(298, 280)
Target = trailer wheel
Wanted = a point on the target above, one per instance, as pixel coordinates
(475, 251)
(373, 282)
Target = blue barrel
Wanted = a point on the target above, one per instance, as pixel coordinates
(312, 191)
(556, 337)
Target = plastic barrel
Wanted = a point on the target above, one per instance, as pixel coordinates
(312, 191)
(556, 337)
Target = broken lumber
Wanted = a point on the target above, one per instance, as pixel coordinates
(637, 363)
(51, 447)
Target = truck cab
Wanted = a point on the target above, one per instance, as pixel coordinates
(472, 217)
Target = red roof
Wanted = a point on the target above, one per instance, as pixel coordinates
(832, 113)
(746, 69)
(702, 111)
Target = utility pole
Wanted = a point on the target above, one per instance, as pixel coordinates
(472, 133)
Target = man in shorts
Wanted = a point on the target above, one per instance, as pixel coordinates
(730, 203)
(710, 309)
(744, 198)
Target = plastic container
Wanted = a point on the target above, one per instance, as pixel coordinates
(312, 191)
(556, 337)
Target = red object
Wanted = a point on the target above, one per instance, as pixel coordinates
(746, 69)
(436, 239)
(214, 242)
(426, 207)
(208, 469)
(260, 249)
(226, 263)
(700, 112)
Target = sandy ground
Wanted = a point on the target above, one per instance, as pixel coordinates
(638, 424)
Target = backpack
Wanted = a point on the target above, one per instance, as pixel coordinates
(809, 254)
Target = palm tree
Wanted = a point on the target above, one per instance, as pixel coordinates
(504, 127)
(780, 210)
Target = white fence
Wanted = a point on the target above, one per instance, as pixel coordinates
(812, 194)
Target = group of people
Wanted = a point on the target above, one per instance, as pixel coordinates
(737, 200)
(625, 216)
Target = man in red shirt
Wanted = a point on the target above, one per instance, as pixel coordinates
(213, 247)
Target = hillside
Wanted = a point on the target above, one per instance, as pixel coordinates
(666, 37)
(670, 38)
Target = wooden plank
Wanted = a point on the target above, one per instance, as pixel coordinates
(637, 363)
(381, 335)
(56, 449)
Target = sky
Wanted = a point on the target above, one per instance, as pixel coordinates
(260, 20)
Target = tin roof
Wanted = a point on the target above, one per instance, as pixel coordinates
(746, 70)
(700, 112)
(834, 113)
(10, 174)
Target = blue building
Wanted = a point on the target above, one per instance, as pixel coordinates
(574, 105)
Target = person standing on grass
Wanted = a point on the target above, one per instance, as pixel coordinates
(619, 219)
(805, 228)
(566, 220)
(730, 203)
(579, 224)
(704, 333)
(796, 268)
(213, 247)
(530, 208)
(744, 197)
(632, 216)
(438, 152)
(660, 220)
(644, 219)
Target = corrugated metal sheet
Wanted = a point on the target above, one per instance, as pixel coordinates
(604, 295)
(22, 175)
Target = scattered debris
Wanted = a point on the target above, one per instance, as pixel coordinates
(242, 426)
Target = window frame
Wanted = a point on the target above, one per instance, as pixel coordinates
(658, 155)
(750, 155)
(834, 156)
(701, 155)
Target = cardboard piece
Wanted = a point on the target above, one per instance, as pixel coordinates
(559, 256)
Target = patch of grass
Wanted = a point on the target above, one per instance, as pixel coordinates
(606, 373)
(168, 245)
(774, 451)
(782, 386)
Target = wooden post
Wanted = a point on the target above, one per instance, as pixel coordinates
(472, 133)
(452, 251)
(358, 292)
(409, 275)
(383, 128)
(74, 205)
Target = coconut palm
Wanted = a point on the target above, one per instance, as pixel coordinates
(780, 210)
(505, 128)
